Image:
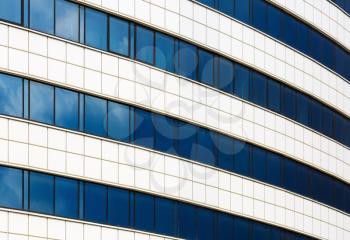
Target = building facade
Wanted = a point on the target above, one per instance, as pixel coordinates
(174, 119)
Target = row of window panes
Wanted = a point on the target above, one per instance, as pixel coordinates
(279, 24)
(70, 198)
(97, 116)
(177, 56)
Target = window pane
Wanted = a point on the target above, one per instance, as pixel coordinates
(260, 232)
(274, 95)
(67, 20)
(258, 95)
(224, 226)
(315, 115)
(165, 52)
(164, 133)
(242, 158)
(241, 229)
(10, 10)
(302, 107)
(242, 10)
(41, 185)
(289, 175)
(95, 115)
(259, 14)
(96, 29)
(227, 6)
(205, 224)
(290, 35)
(187, 60)
(42, 15)
(144, 212)
(289, 102)
(41, 102)
(119, 36)
(66, 197)
(95, 202)
(144, 129)
(205, 67)
(327, 121)
(118, 121)
(273, 169)
(186, 221)
(118, 207)
(165, 216)
(205, 147)
(186, 139)
(259, 163)
(144, 45)
(226, 77)
(66, 109)
(210, 3)
(274, 20)
(225, 150)
(11, 187)
(241, 81)
(11, 95)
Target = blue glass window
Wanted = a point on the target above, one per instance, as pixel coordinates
(42, 15)
(41, 102)
(273, 169)
(118, 121)
(165, 216)
(242, 158)
(144, 212)
(274, 95)
(119, 36)
(186, 136)
(242, 10)
(288, 102)
(224, 226)
(259, 163)
(186, 221)
(241, 81)
(290, 36)
(210, 3)
(95, 29)
(95, 204)
(10, 10)
(226, 77)
(241, 229)
(66, 197)
(205, 147)
(144, 45)
(118, 207)
(67, 20)
(327, 121)
(164, 133)
(302, 103)
(302, 180)
(187, 60)
(258, 93)
(41, 185)
(227, 6)
(315, 110)
(225, 151)
(274, 20)
(11, 187)
(259, 14)
(165, 52)
(289, 175)
(66, 108)
(95, 115)
(205, 224)
(260, 232)
(144, 128)
(205, 67)
(11, 95)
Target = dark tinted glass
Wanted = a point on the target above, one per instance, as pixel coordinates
(259, 163)
(226, 77)
(259, 14)
(95, 115)
(289, 175)
(258, 95)
(144, 128)
(187, 60)
(164, 133)
(260, 232)
(11, 187)
(205, 224)
(66, 197)
(118, 207)
(118, 121)
(95, 205)
(241, 229)
(41, 185)
(225, 226)
(67, 20)
(11, 95)
(242, 10)
(291, 25)
(66, 108)
(274, 96)
(227, 6)
(144, 45)
(225, 152)
(273, 169)
(95, 29)
(41, 102)
(119, 36)
(186, 221)
(186, 134)
(165, 216)
(289, 102)
(241, 81)
(144, 212)
(10, 10)
(242, 158)
(315, 110)
(210, 3)
(205, 149)
(274, 21)
(205, 67)
(165, 52)
(303, 114)
(42, 15)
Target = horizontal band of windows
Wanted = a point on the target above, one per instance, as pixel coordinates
(279, 24)
(343, 4)
(81, 112)
(168, 53)
(70, 198)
